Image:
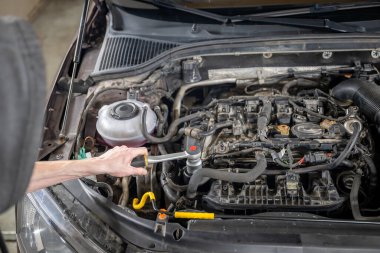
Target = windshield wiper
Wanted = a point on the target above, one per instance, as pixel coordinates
(325, 24)
(307, 23)
(316, 9)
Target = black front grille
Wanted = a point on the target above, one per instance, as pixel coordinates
(124, 52)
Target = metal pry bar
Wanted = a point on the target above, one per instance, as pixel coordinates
(76, 60)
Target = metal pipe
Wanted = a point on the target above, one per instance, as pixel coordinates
(182, 91)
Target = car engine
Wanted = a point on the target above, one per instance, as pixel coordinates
(298, 139)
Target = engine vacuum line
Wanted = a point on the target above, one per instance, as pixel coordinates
(343, 155)
(172, 128)
(300, 108)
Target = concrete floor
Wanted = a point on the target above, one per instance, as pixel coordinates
(56, 25)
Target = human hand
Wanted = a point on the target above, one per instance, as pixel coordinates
(117, 161)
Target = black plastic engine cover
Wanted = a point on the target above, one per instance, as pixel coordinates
(286, 195)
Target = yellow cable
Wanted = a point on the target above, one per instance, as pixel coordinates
(136, 205)
(194, 215)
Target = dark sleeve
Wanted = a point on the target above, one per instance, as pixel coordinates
(22, 100)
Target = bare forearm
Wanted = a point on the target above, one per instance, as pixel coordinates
(49, 173)
(115, 162)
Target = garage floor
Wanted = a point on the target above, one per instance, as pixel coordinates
(56, 25)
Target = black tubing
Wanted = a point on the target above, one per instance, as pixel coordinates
(172, 129)
(247, 177)
(298, 82)
(363, 94)
(373, 174)
(214, 128)
(354, 201)
(338, 161)
(170, 193)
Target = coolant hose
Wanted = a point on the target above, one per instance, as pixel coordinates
(372, 174)
(343, 155)
(170, 193)
(263, 120)
(354, 201)
(172, 129)
(247, 177)
(298, 82)
(363, 94)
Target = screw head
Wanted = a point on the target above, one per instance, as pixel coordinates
(59, 157)
(267, 55)
(375, 54)
(327, 55)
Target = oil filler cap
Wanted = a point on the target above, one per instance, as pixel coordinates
(124, 111)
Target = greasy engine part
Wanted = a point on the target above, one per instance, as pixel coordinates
(289, 146)
(363, 94)
(289, 194)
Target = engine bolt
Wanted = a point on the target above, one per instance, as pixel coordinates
(267, 55)
(327, 55)
(59, 157)
(375, 54)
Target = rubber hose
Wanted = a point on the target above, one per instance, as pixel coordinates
(297, 82)
(373, 174)
(343, 155)
(171, 194)
(214, 128)
(172, 129)
(363, 94)
(354, 201)
(247, 177)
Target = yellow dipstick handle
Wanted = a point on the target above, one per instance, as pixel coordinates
(136, 205)
(194, 215)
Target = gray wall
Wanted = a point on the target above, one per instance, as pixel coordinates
(22, 8)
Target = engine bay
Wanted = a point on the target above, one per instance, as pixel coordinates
(242, 141)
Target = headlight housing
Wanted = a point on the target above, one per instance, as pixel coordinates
(34, 234)
(43, 226)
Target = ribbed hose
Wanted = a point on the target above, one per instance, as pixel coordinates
(363, 94)
(247, 177)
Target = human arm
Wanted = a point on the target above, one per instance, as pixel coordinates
(115, 162)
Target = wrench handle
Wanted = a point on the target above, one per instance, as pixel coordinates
(139, 161)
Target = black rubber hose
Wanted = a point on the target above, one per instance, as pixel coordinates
(214, 128)
(373, 174)
(99, 185)
(247, 177)
(363, 94)
(170, 193)
(298, 82)
(172, 129)
(316, 114)
(354, 201)
(338, 161)
(263, 120)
